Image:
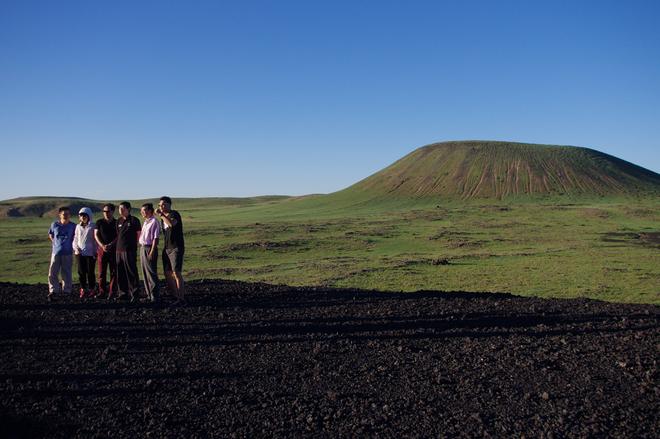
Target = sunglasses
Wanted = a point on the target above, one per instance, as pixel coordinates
(107, 211)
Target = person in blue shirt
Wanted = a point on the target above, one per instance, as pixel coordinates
(61, 260)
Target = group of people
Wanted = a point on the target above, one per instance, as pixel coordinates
(112, 245)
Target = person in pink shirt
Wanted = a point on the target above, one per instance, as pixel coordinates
(149, 252)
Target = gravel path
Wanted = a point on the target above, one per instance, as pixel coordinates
(248, 360)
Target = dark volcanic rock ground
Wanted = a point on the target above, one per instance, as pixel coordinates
(257, 360)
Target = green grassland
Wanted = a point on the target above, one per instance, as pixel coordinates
(603, 248)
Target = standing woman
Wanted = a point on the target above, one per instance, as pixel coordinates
(84, 247)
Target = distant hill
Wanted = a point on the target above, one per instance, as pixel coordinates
(488, 169)
(44, 206)
(48, 206)
(452, 170)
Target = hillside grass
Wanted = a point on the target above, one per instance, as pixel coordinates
(597, 248)
(498, 170)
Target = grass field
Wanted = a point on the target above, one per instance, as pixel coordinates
(601, 248)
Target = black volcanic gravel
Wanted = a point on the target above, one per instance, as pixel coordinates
(246, 360)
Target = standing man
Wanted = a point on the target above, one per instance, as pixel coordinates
(61, 260)
(173, 248)
(106, 237)
(128, 231)
(149, 251)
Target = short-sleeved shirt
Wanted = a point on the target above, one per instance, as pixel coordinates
(127, 238)
(150, 231)
(173, 236)
(62, 235)
(107, 230)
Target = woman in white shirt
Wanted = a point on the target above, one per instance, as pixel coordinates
(84, 249)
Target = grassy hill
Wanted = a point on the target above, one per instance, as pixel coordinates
(451, 171)
(48, 206)
(500, 170)
(600, 239)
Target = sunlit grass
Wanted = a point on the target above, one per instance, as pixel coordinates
(603, 249)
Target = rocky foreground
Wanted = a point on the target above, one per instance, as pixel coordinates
(247, 360)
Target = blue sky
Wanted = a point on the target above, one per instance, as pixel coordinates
(192, 98)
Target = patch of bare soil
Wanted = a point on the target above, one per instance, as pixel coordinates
(253, 360)
(649, 239)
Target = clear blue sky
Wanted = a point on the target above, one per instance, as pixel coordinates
(132, 99)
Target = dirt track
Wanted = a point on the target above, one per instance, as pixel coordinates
(257, 360)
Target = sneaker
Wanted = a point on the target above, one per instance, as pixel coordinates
(82, 293)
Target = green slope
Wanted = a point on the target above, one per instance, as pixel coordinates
(499, 170)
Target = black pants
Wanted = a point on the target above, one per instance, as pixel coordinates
(107, 262)
(86, 276)
(127, 273)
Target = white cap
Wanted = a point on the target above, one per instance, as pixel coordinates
(87, 211)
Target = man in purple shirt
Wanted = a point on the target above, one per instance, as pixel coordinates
(149, 251)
